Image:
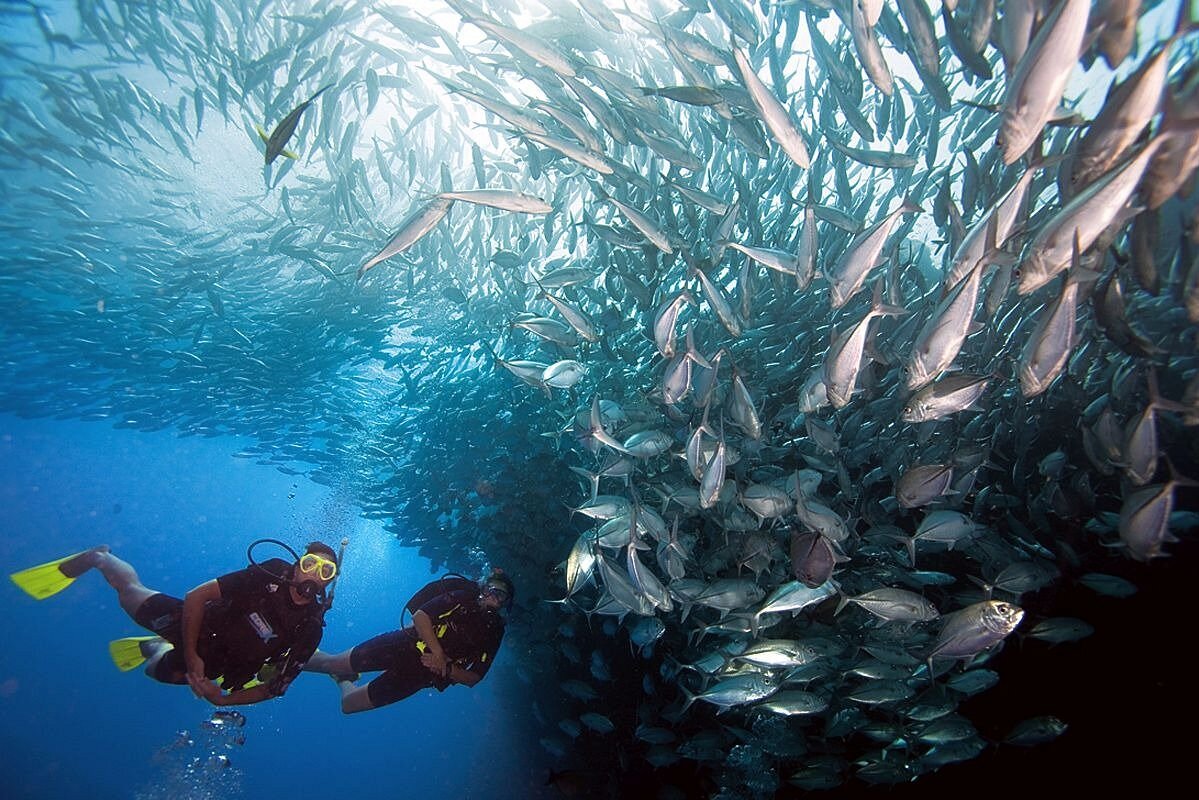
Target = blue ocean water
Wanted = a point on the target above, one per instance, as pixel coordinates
(181, 511)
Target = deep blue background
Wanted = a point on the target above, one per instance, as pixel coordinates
(182, 510)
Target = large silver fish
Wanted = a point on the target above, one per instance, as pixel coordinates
(975, 628)
(854, 265)
(1036, 89)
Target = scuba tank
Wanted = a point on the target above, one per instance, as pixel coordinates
(450, 582)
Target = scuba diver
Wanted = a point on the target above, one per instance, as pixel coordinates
(252, 630)
(456, 630)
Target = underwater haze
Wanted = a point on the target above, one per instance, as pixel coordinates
(181, 511)
(825, 373)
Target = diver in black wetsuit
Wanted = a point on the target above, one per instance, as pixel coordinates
(256, 626)
(453, 639)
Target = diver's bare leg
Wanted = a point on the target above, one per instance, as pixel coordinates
(119, 574)
(354, 698)
(330, 663)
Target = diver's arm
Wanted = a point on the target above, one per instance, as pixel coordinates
(193, 618)
(463, 676)
(424, 627)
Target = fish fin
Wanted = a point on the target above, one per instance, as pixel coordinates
(957, 227)
(262, 133)
(980, 583)
(289, 154)
(1157, 401)
(842, 602)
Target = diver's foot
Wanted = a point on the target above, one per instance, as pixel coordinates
(152, 647)
(74, 567)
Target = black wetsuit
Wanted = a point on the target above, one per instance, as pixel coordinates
(254, 623)
(469, 635)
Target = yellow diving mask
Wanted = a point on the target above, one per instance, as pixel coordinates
(324, 568)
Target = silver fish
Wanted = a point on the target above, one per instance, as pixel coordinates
(411, 231)
(893, 605)
(852, 267)
(1041, 76)
(843, 361)
(777, 120)
(975, 628)
(502, 199)
(1049, 344)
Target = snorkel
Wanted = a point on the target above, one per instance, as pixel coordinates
(341, 552)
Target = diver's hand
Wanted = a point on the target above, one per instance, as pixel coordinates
(434, 663)
(195, 668)
(206, 689)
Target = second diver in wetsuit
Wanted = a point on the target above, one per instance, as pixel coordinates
(453, 639)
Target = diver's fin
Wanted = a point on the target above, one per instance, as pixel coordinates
(128, 653)
(44, 580)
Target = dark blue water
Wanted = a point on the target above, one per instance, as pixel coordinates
(182, 510)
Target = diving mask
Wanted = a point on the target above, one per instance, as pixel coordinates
(311, 563)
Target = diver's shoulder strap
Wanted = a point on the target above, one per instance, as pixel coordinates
(447, 584)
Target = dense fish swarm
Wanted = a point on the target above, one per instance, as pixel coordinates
(791, 351)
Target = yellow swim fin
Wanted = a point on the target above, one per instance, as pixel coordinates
(44, 580)
(127, 653)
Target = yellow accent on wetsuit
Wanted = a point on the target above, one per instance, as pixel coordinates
(440, 632)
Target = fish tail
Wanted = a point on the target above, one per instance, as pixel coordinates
(980, 583)
(487, 346)
(1155, 398)
(689, 698)
(878, 308)
(1176, 477)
